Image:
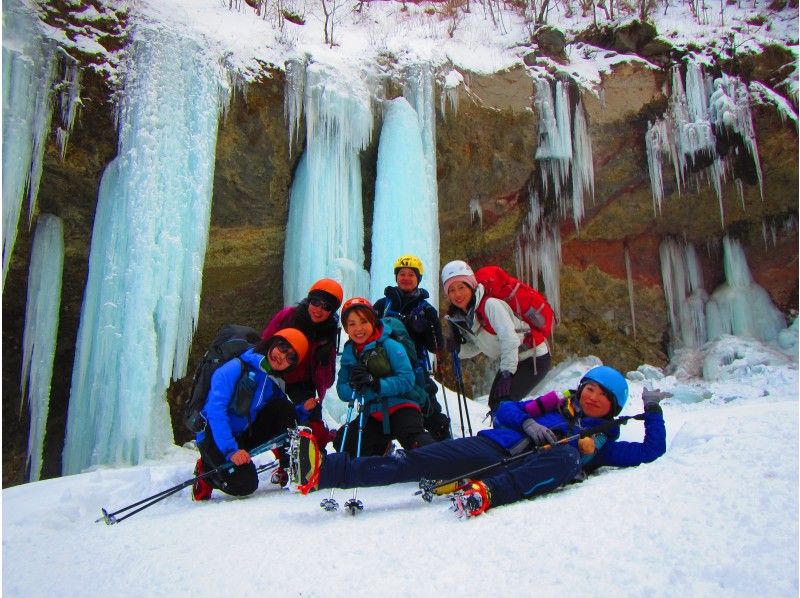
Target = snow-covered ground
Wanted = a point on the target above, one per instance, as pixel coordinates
(716, 515)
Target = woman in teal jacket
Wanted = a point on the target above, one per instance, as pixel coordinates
(375, 369)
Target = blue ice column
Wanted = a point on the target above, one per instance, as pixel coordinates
(142, 296)
(325, 229)
(41, 328)
(401, 220)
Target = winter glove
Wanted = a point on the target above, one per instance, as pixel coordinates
(652, 398)
(361, 379)
(302, 413)
(501, 388)
(323, 352)
(454, 339)
(541, 435)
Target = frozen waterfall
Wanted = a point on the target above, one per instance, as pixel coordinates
(406, 216)
(682, 278)
(142, 296)
(41, 329)
(325, 229)
(740, 306)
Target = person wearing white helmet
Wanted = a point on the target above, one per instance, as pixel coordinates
(495, 331)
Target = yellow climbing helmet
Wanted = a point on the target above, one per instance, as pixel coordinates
(409, 261)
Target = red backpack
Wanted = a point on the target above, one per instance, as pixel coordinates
(526, 303)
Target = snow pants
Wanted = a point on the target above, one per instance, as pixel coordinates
(404, 424)
(272, 420)
(528, 476)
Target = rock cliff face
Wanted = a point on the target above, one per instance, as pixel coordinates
(485, 154)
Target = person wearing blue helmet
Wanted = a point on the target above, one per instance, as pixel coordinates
(572, 434)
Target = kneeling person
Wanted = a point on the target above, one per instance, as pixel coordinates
(240, 419)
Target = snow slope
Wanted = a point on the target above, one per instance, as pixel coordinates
(716, 515)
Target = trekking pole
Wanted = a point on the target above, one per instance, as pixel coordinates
(444, 394)
(354, 505)
(462, 397)
(330, 504)
(429, 488)
(111, 518)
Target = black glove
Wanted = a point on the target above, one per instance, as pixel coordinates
(360, 378)
(652, 398)
(323, 352)
(501, 388)
(454, 338)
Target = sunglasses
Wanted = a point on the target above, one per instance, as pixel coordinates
(321, 303)
(288, 351)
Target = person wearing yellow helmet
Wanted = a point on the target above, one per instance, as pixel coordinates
(246, 406)
(407, 302)
(307, 384)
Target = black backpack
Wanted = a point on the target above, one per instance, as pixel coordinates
(231, 341)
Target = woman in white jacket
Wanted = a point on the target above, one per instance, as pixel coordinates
(521, 366)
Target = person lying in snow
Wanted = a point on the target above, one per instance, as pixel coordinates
(518, 426)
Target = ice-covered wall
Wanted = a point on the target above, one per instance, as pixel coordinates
(41, 328)
(325, 229)
(685, 294)
(29, 70)
(142, 296)
(701, 111)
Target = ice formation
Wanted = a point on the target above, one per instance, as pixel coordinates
(685, 294)
(629, 279)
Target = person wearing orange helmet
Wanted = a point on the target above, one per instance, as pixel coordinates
(246, 406)
(376, 369)
(306, 385)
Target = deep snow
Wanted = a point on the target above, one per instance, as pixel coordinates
(716, 515)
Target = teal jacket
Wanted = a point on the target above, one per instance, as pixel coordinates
(395, 387)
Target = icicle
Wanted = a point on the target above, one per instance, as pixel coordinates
(684, 292)
(629, 277)
(325, 229)
(475, 211)
(293, 98)
(555, 136)
(40, 333)
(69, 100)
(582, 166)
(452, 81)
(142, 295)
(537, 250)
(28, 74)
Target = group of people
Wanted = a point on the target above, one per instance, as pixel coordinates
(293, 366)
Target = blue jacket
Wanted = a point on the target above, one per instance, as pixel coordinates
(393, 387)
(420, 318)
(508, 433)
(225, 425)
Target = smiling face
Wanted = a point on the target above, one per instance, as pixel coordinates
(460, 294)
(281, 356)
(594, 401)
(317, 311)
(406, 279)
(358, 327)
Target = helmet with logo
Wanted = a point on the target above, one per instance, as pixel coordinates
(409, 261)
(613, 383)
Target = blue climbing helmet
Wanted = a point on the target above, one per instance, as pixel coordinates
(613, 383)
